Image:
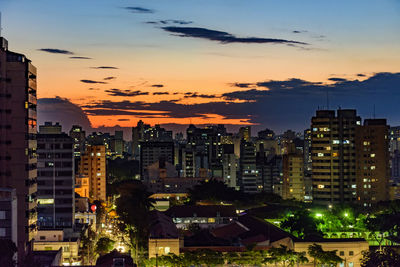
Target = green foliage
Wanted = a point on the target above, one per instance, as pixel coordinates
(301, 224)
(284, 256)
(213, 191)
(8, 249)
(380, 258)
(133, 208)
(321, 256)
(104, 245)
(122, 169)
(88, 246)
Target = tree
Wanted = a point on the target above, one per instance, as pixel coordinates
(87, 250)
(321, 256)
(104, 245)
(386, 257)
(133, 208)
(301, 224)
(213, 191)
(285, 256)
(8, 250)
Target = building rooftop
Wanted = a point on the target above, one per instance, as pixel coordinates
(201, 211)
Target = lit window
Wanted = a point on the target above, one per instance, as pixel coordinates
(328, 148)
(320, 186)
(373, 167)
(335, 142)
(320, 154)
(353, 186)
(99, 174)
(98, 154)
(335, 154)
(346, 142)
(372, 155)
(358, 122)
(366, 143)
(167, 250)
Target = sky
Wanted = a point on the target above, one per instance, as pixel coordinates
(265, 63)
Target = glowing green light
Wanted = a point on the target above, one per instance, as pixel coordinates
(318, 215)
(346, 215)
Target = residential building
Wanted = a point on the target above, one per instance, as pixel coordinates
(334, 156)
(349, 249)
(373, 162)
(53, 240)
(93, 165)
(8, 214)
(163, 235)
(152, 152)
(293, 186)
(82, 186)
(18, 121)
(56, 179)
(230, 166)
(79, 136)
(248, 168)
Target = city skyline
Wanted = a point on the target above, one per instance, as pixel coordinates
(239, 63)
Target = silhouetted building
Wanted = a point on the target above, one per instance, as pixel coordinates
(18, 122)
(154, 151)
(55, 194)
(79, 137)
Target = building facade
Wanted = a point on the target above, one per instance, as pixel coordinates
(373, 162)
(56, 177)
(93, 166)
(18, 121)
(334, 156)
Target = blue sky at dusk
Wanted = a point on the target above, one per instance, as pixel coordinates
(265, 63)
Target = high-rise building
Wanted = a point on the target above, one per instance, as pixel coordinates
(293, 186)
(248, 168)
(79, 137)
(18, 160)
(245, 133)
(153, 151)
(209, 138)
(117, 144)
(8, 214)
(373, 160)
(230, 165)
(93, 165)
(56, 179)
(334, 156)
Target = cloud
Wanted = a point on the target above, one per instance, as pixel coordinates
(56, 51)
(62, 110)
(241, 85)
(277, 104)
(136, 9)
(361, 75)
(299, 31)
(223, 37)
(80, 57)
(93, 89)
(160, 93)
(170, 21)
(105, 67)
(119, 92)
(157, 85)
(123, 119)
(334, 79)
(197, 95)
(109, 78)
(91, 81)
